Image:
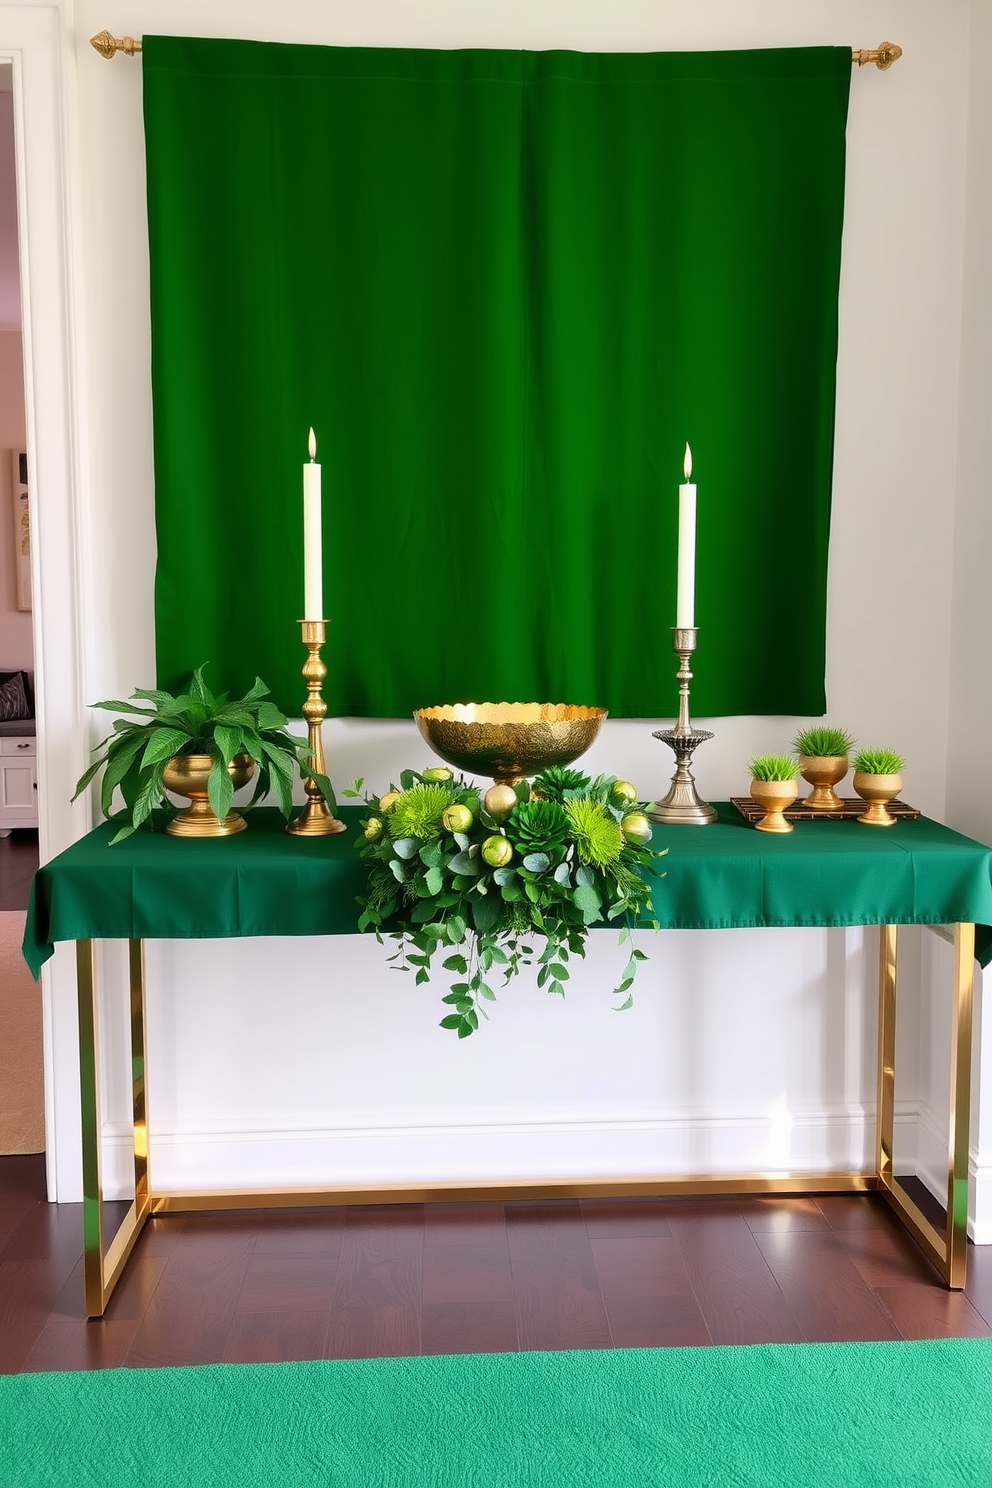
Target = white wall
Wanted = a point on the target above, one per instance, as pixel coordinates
(891, 557)
(969, 788)
(536, 1090)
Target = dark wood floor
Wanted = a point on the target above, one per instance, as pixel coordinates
(18, 861)
(451, 1278)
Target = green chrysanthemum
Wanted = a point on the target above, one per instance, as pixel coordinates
(552, 783)
(538, 826)
(419, 810)
(597, 834)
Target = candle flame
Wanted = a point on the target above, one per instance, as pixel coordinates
(312, 445)
(687, 462)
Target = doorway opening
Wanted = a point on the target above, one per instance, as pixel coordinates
(22, 1122)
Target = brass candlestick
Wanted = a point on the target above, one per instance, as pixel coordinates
(682, 804)
(316, 819)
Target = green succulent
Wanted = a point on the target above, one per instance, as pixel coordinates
(773, 767)
(418, 812)
(878, 762)
(597, 832)
(538, 826)
(823, 742)
(558, 781)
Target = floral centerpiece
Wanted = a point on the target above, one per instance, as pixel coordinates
(476, 877)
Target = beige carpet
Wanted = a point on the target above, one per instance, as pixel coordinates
(22, 1081)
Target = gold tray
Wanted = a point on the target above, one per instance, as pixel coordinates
(853, 807)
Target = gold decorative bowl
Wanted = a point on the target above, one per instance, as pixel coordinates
(509, 740)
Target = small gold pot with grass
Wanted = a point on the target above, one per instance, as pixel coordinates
(773, 787)
(823, 762)
(877, 780)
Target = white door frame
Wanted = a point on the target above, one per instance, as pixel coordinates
(35, 39)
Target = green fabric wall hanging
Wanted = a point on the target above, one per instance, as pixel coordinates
(505, 288)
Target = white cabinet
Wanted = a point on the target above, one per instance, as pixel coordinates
(18, 783)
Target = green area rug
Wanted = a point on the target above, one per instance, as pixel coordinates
(797, 1415)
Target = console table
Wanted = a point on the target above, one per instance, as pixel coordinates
(265, 882)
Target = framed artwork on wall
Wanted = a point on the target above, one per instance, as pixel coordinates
(22, 528)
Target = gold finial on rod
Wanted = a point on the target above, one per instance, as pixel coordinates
(883, 56)
(108, 46)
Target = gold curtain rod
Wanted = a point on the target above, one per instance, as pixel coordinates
(883, 56)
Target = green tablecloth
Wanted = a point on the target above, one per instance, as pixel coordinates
(264, 882)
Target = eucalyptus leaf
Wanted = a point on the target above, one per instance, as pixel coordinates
(586, 900)
(406, 847)
(537, 862)
(486, 914)
(455, 929)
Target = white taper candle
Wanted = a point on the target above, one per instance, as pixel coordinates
(313, 579)
(685, 597)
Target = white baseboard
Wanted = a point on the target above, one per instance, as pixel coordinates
(212, 1158)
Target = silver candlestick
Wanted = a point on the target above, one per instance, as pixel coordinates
(683, 804)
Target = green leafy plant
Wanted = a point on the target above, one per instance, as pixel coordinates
(479, 883)
(773, 767)
(823, 742)
(134, 757)
(878, 762)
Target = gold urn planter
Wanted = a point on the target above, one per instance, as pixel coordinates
(187, 775)
(877, 791)
(775, 796)
(823, 772)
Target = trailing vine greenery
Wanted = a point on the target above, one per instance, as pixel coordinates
(477, 878)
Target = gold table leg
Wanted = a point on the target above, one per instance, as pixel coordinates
(947, 1249)
(103, 1264)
